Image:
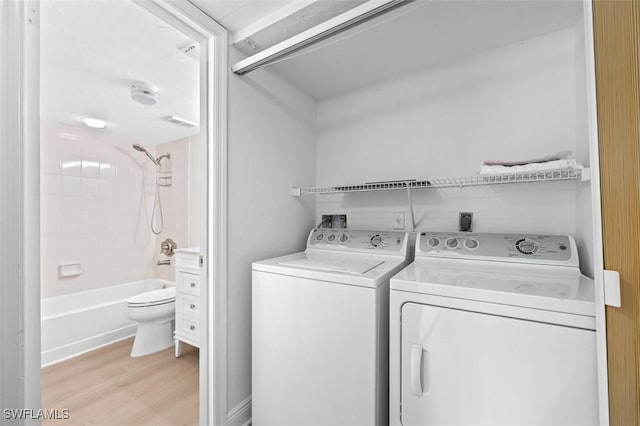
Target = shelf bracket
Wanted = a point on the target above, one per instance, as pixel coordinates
(413, 220)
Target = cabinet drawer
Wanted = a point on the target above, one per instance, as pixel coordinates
(187, 260)
(188, 283)
(188, 304)
(188, 326)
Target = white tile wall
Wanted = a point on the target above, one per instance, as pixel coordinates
(178, 204)
(97, 198)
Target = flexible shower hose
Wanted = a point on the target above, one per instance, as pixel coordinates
(157, 203)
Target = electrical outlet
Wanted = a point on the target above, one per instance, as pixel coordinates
(398, 220)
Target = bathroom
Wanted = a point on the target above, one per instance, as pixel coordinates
(119, 201)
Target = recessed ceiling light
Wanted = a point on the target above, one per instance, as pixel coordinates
(94, 122)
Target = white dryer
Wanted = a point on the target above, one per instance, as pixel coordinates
(320, 330)
(493, 329)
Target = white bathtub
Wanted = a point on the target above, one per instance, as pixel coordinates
(81, 322)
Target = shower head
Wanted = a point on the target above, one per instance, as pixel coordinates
(140, 148)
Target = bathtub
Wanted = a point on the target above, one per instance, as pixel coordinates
(76, 323)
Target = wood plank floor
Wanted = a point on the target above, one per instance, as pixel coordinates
(108, 387)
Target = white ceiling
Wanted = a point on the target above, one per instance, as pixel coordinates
(236, 15)
(419, 35)
(91, 51)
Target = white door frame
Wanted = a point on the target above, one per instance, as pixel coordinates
(20, 207)
(596, 211)
(213, 40)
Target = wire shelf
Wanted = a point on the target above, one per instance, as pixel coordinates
(455, 182)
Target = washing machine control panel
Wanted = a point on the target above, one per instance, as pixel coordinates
(357, 240)
(517, 247)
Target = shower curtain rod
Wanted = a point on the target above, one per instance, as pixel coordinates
(342, 22)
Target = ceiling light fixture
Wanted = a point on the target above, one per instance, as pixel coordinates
(94, 122)
(145, 93)
(180, 121)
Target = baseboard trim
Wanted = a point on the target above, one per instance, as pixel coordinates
(74, 349)
(240, 415)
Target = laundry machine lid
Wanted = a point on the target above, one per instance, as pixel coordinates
(344, 256)
(333, 263)
(342, 268)
(550, 288)
(156, 296)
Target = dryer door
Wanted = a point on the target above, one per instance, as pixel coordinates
(467, 368)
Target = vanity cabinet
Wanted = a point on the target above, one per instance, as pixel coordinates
(187, 298)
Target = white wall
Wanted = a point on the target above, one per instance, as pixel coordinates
(514, 102)
(193, 228)
(179, 202)
(96, 197)
(271, 147)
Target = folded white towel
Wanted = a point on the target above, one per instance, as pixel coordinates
(562, 155)
(532, 167)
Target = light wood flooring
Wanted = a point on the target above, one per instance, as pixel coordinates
(108, 387)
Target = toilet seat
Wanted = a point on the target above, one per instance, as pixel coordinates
(153, 298)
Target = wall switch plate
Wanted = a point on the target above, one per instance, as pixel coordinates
(398, 220)
(465, 221)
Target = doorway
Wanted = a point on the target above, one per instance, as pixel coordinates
(212, 77)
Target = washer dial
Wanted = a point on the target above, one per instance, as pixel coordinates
(433, 242)
(376, 240)
(471, 243)
(527, 247)
(452, 242)
(344, 238)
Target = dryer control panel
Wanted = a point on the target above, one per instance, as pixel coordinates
(392, 242)
(522, 248)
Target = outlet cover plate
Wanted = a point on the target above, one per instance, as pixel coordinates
(398, 221)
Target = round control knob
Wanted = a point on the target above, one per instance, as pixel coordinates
(471, 243)
(319, 237)
(331, 237)
(452, 243)
(526, 246)
(344, 238)
(433, 242)
(376, 240)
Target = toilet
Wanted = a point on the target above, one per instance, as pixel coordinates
(154, 311)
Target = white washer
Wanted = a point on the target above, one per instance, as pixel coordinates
(493, 329)
(320, 330)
